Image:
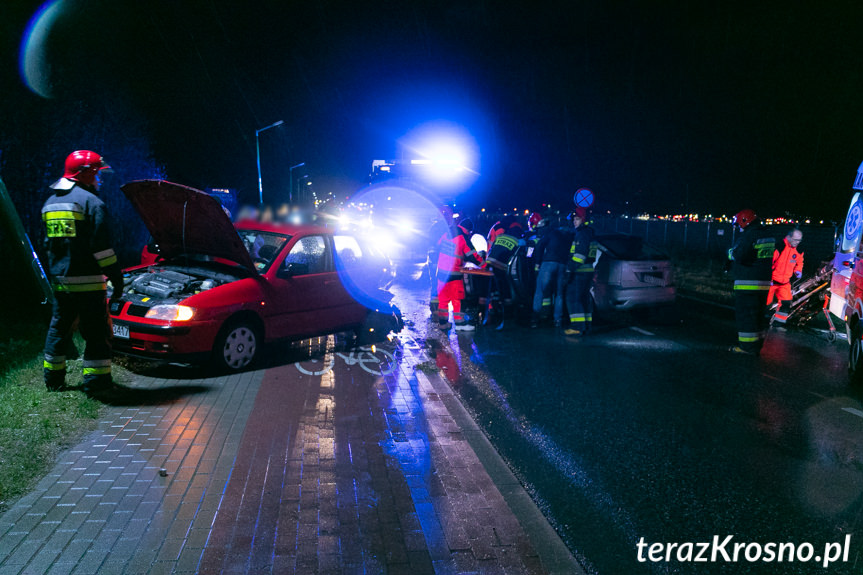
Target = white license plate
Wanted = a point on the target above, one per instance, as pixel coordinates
(121, 331)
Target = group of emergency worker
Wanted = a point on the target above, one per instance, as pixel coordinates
(559, 257)
(762, 270)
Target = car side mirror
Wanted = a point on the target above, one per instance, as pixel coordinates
(293, 269)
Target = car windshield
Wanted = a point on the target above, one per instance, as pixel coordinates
(629, 248)
(263, 247)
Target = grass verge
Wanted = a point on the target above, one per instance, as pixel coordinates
(35, 425)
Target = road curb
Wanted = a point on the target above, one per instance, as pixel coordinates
(554, 554)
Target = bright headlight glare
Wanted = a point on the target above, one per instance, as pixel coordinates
(171, 312)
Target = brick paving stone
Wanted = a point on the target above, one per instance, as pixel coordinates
(275, 471)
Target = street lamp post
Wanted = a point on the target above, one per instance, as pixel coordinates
(291, 178)
(258, 150)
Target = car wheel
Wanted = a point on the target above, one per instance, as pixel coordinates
(855, 354)
(237, 347)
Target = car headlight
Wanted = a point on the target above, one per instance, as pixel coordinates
(171, 312)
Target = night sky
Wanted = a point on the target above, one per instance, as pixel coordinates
(657, 106)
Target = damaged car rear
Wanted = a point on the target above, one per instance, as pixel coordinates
(220, 291)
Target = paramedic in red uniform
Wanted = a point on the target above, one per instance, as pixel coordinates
(787, 263)
(454, 250)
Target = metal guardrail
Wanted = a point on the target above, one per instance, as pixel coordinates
(715, 238)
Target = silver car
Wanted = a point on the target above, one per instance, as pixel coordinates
(631, 274)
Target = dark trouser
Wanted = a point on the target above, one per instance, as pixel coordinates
(501, 282)
(578, 301)
(91, 311)
(551, 281)
(749, 308)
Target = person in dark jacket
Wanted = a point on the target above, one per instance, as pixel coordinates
(550, 257)
(79, 256)
(752, 264)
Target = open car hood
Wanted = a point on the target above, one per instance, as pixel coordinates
(184, 220)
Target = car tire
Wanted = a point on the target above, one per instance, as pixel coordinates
(377, 325)
(237, 347)
(855, 355)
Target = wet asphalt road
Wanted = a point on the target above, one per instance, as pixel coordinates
(649, 428)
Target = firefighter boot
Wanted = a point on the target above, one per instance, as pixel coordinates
(54, 371)
(97, 374)
(55, 380)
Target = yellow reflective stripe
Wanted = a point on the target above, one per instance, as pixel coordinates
(546, 302)
(97, 366)
(508, 242)
(80, 283)
(580, 317)
(62, 215)
(105, 257)
(80, 288)
(97, 370)
(751, 285)
(54, 366)
(749, 337)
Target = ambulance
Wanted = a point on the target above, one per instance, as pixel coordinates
(846, 285)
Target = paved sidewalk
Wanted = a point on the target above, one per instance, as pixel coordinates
(317, 467)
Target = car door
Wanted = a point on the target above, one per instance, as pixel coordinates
(304, 289)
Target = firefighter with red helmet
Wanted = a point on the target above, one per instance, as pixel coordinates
(79, 255)
(580, 274)
(752, 263)
(454, 250)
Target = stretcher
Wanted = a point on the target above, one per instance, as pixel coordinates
(810, 297)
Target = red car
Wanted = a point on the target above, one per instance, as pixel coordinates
(220, 291)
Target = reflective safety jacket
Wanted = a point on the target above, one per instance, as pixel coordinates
(504, 246)
(752, 259)
(786, 263)
(495, 230)
(454, 250)
(583, 250)
(77, 245)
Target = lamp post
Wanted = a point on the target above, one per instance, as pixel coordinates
(291, 178)
(258, 150)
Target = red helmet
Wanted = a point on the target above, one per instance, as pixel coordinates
(533, 220)
(744, 217)
(83, 165)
